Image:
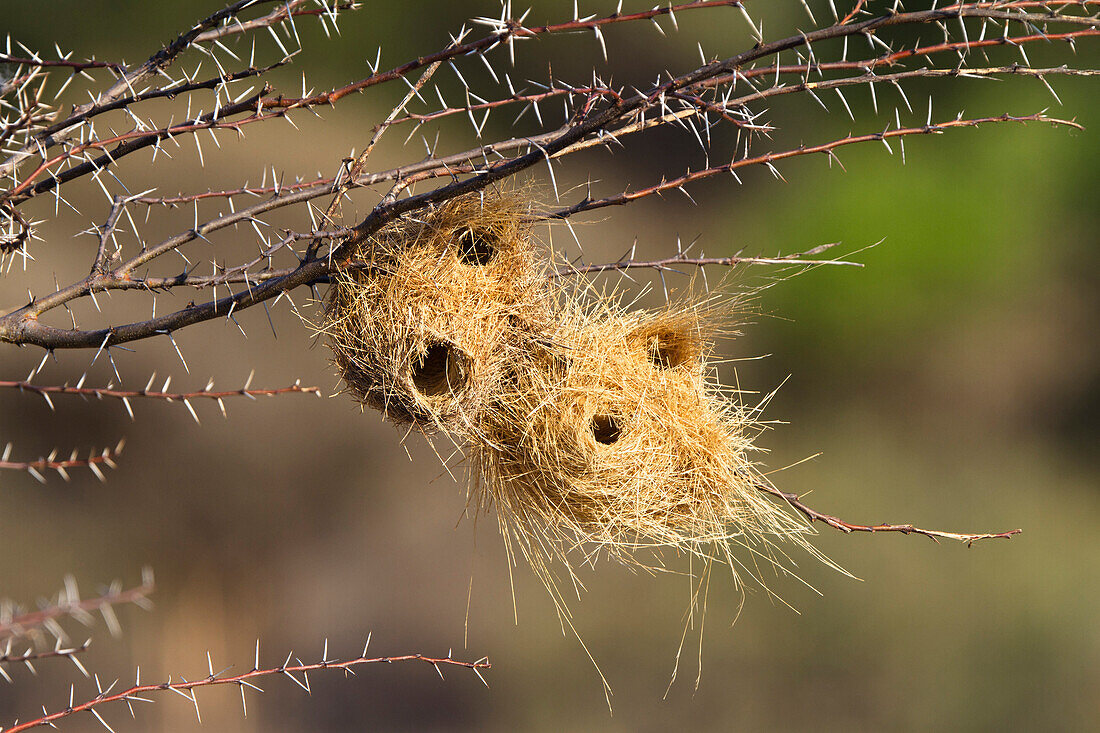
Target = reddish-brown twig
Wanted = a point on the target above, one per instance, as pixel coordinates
(599, 117)
(69, 604)
(184, 397)
(29, 657)
(836, 523)
(854, 11)
(767, 159)
(896, 57)
(291, 9)
(187, 688)
(680, 260)
(183, 198)
(122, 394)
(63, 63)
(105, 457)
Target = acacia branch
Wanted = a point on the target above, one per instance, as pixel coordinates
(121, 394)
(23, 326)
(767, 159)
(29, 657)
(288, 11)
(504, 32)
(165, 56)
(507, 31)
(254, 191)
(76, 66)
(187, 689)
(47, 137)
(604, 116)
(105, 457)
(682, 260)
(122, 94)
(897, 57)
(847, 527)
(125, 144)
(69, 604)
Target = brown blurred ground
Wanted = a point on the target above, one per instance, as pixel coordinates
(951, 383)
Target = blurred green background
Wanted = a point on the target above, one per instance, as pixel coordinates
(951, 383)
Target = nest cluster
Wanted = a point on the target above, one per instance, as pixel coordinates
(589, 426)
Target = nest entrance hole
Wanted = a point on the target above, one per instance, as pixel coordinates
(440, 371)
(606, 429)
(475, 248)
(670, 349)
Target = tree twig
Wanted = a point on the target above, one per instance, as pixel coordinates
(69, 604)
(836, 523)
(188, 688)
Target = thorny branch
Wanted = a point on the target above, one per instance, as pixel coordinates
(34, 60)
(815, 516)
(46, 151)
(105, 457)
(30, 656)
(187, 688)
(153, 394)
(598, 115)
(683, 260)
(15, 624)
(768, 159)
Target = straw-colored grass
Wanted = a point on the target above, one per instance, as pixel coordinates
(614, 437)
(425, 320)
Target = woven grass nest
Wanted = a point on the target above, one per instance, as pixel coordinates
(588, 426)
(423, 325)
(617, 439)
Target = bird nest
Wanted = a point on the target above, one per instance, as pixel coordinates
(588, 425)
(616, 437)
(428, 313)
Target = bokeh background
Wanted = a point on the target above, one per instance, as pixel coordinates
(952, 383)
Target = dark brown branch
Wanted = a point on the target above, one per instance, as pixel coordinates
(46, 136)
(506, 32)
(116, 97)
(281, 105)
(125, 144)
(165, 56)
